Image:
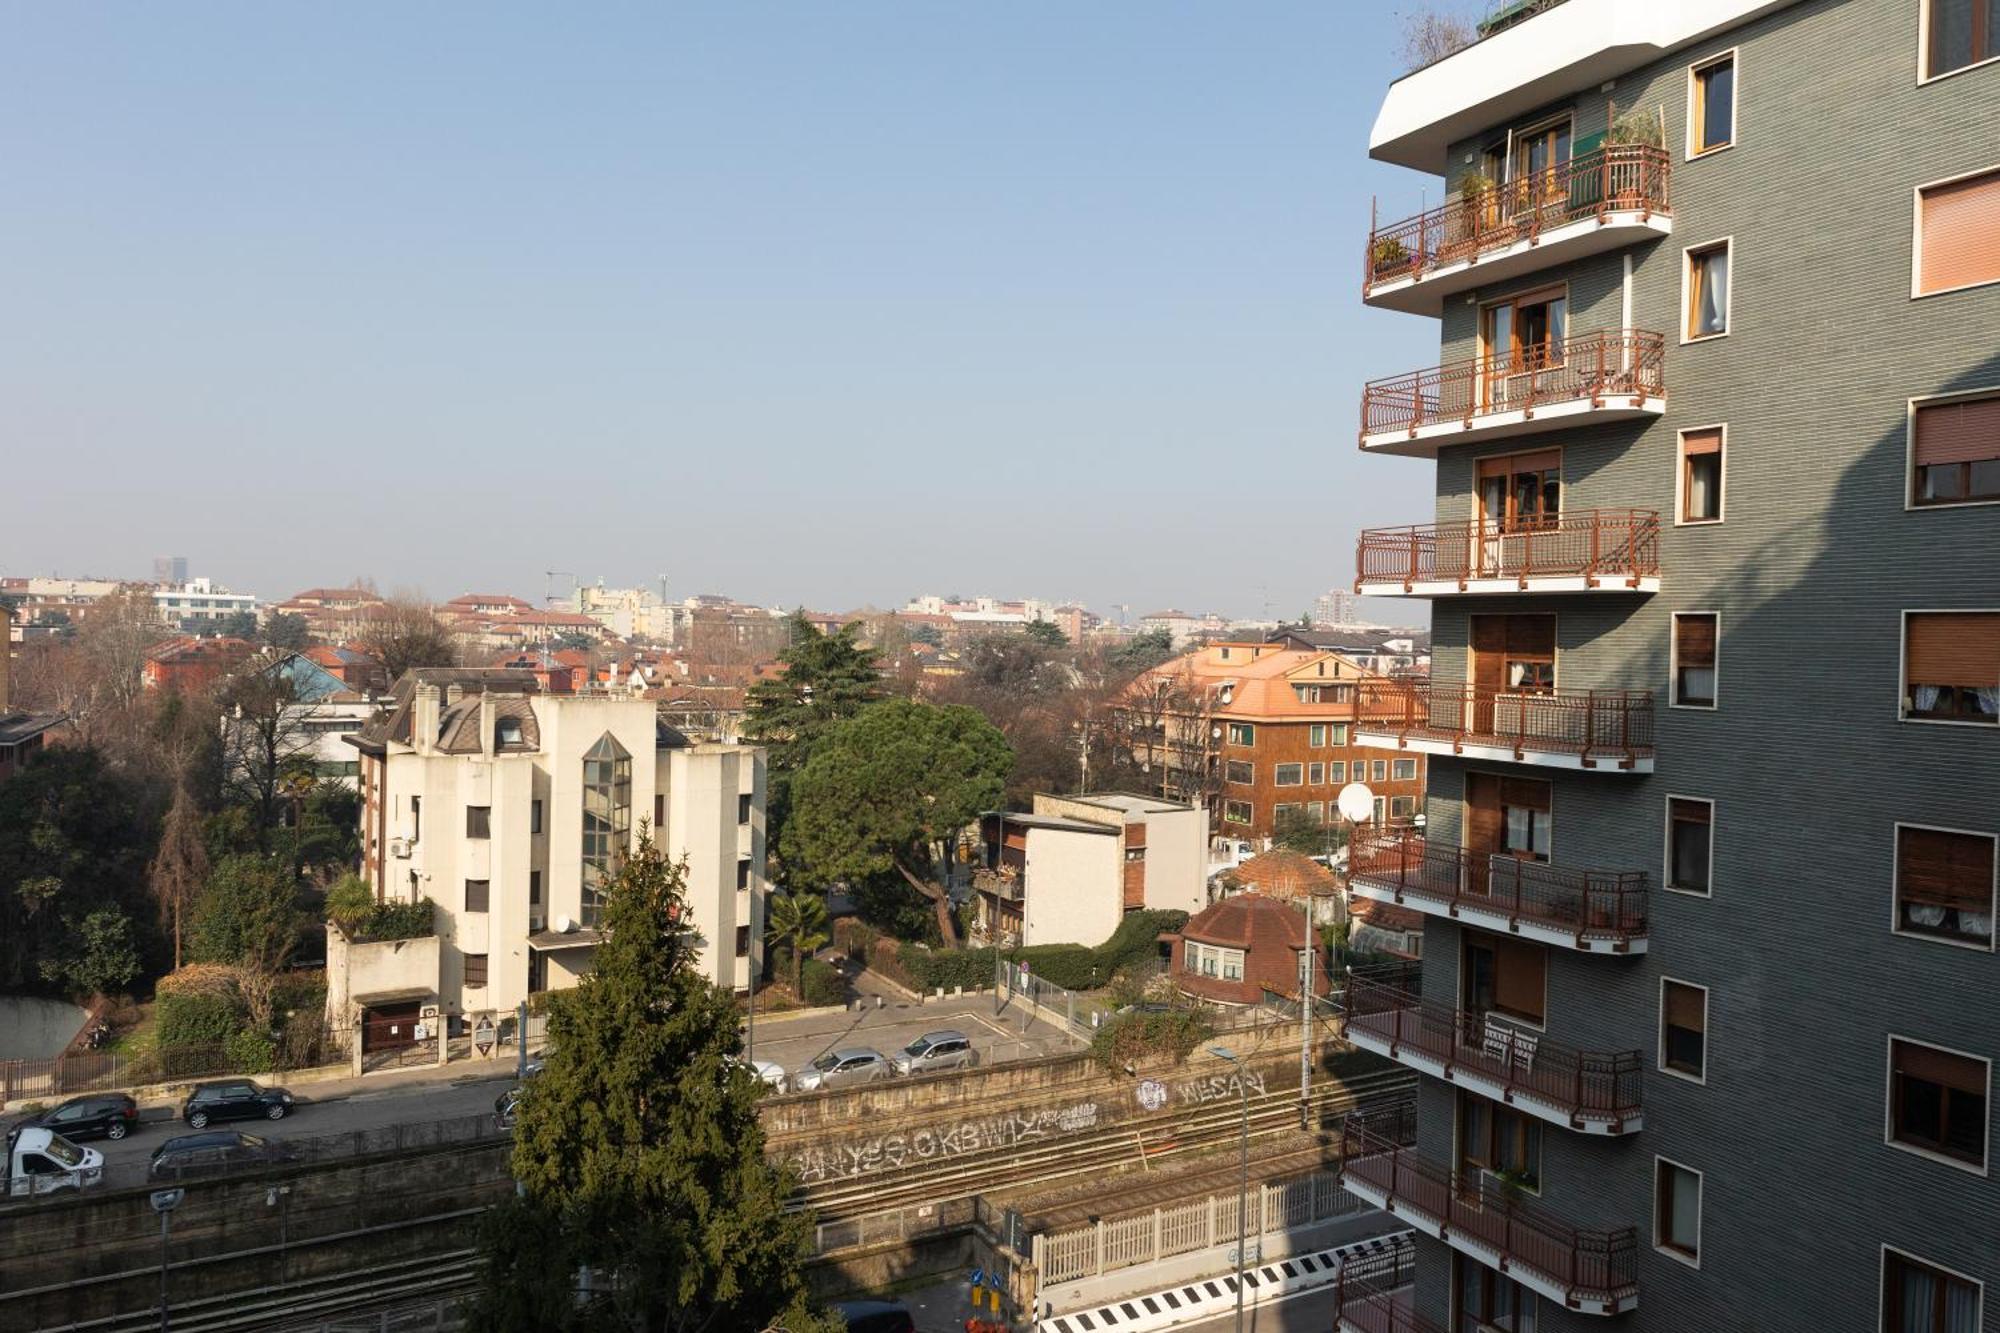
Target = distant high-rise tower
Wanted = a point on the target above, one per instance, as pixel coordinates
(170, 570)
(1334, 607)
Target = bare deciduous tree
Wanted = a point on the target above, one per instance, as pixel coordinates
(1432, 32)
(404, 633)
(180, 865)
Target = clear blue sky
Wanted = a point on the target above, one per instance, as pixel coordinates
(829, 302)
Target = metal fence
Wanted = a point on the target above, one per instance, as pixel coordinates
(1144, 1238)
(275, 1153)
(106, 1071)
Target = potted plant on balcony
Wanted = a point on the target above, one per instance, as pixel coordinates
(1475, 213)
(1632, 129)
(1390, 257)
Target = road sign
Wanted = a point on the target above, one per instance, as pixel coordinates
(165, 1201)
(482, 1036)
(978, 1278)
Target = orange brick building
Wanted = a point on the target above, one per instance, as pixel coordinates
(1258, 728)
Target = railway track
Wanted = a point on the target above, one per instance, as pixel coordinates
(1097, 1151)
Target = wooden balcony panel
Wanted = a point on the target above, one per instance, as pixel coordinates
(1591, 1272)
(1592, 911)
(1590, 1091)
(1615, 550)
(1581, 729)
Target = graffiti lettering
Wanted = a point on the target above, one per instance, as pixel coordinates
(888, 1152)
(1198, 1091)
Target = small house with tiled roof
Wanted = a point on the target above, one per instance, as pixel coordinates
(1243, 948)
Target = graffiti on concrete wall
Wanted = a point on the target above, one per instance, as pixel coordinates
(885, 1152)
(1200, 1091)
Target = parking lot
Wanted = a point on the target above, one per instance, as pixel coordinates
(795, 1042)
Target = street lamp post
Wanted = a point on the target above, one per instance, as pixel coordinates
(1243, 1187)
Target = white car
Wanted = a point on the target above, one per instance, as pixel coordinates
(43, 1162)
(772, 1073)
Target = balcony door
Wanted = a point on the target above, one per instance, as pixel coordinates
(1519, 495)
(1522, 347)
(1504, 817)
(1535, 179)
(1511, 655)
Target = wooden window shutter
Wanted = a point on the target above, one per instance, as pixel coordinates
(1685, 1006)
(1531, 636)
(1691, 812)
(1482, 812)
(1967, 432)
(1945, 869)
(1519, 972)
(1694, 640)
(1954, 648)
(1489, 634)
(1959, 1072)
(1525, 793)
(1960, 233)
(1702, 442)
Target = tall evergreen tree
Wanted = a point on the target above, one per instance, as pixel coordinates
(639, 1153)
(886, 789)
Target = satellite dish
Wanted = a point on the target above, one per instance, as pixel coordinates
(1357, 802)
(564, 925)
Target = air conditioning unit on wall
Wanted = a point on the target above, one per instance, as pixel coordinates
(399, 848)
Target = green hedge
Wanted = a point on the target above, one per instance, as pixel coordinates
(1071, 966)
(822, 983)
(396, 921)
(251, 1053)
(197, 1020)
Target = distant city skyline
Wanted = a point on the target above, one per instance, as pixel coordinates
(814, 304)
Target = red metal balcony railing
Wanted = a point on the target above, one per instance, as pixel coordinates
(1600, 546)
(1594, 905)
(1595, 1086)
(1594, 725)
(1589, 1267)
(1371, 1294)
(1483, 219)
(1589, 367)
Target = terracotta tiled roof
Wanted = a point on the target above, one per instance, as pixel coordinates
(1249, 921)
(1387, 916)
(1282, 874)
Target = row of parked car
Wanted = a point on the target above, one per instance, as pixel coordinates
(45, 1152)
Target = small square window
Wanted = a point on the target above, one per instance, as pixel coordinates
(1955, 451)
(1701, 475)
(1712, 105)
(1707, 292)
(1951, 666)
(1937, 1101)
(1379, 770)
(475, 970)
(478, 821)
(1958, 234)
(1694, 658)
(1684, 1028)
(1242, 733)
(477, 894)
(1316, 735)
(1316, 775)
(1240, 772)
(1336, 771)
(1236, 812)
(1677, 1210)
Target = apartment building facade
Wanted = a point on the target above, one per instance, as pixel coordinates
(1265, 731)
(510, 809)
(1708, 878)
(1069, 871)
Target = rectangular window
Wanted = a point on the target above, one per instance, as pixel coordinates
(1690, 844)
(1316, 811)
(1951, 666)
(1944, 884)
(1694, 658)
(1504, 975)
(475, 971)
(1236, 812)
(1379, 770)
(1239, 771)
(1403, 770)
(1284, 810)
(477, 894)
(1498, 1139)
(743, 941)
(659, 811)
(1677, 1210)
(1684, 1028)
(1707, 292)
(1402, 807)
(1701, 475)
(1937, 1101)
(534, 888)
(1336, 734)
(1288, 775)
(1316, 775)
(1712, 105)
(1958, 233)
(416, 818)
(1922, 1298)
(743, 874)
(1232, 964)
(478, 821)
(1487, 1299)
(1316, 735)
(1955, 451)
(1381, 809)
(743, 808)
(534, 817)
(1336, 771)
(1242, 733)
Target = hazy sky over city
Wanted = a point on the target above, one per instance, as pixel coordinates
(817, 302)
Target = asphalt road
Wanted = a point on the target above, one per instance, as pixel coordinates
(795, 1042)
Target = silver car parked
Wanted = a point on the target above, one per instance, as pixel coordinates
(844, 1068)
(937, 1050)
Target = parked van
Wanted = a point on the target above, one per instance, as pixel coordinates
(43, 1161)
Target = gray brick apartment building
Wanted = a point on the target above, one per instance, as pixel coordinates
(1709, 1002)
